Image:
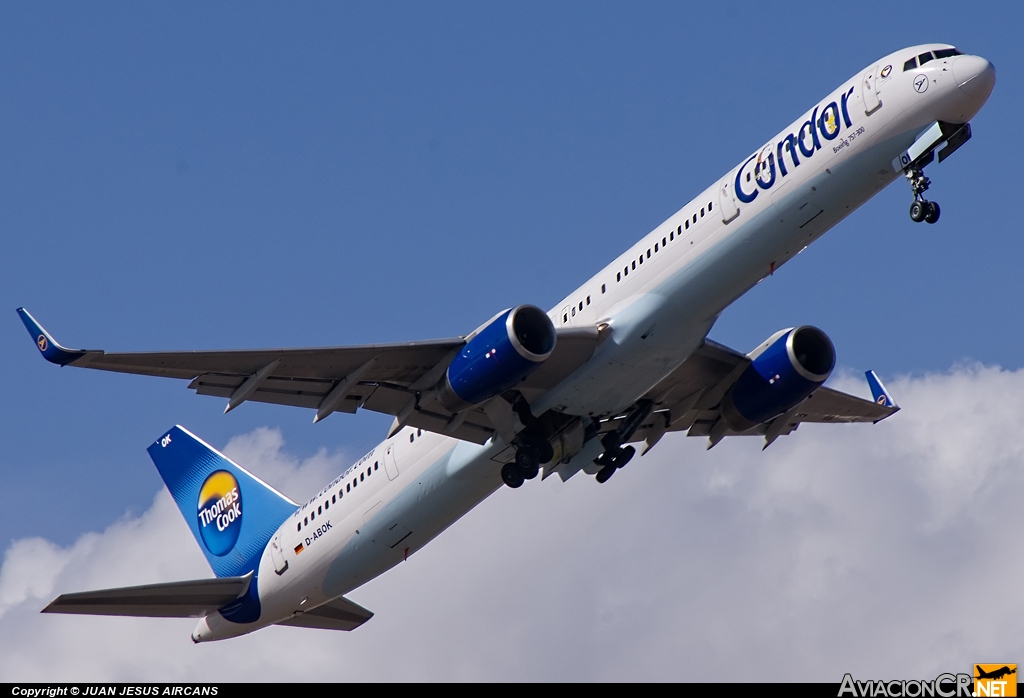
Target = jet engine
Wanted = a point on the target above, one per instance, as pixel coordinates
(500, 355)
(784, 370)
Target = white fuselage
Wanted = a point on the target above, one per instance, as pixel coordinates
(660, 298)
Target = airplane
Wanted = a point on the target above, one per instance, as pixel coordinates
(622, 360)
(996, 674)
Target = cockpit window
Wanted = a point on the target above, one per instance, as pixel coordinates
(910, 65)
(925, 57)
(948, 53)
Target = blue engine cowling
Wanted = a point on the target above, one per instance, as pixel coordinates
(784, 370)
(498, 357)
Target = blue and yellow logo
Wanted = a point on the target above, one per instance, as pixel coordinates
(220, 512)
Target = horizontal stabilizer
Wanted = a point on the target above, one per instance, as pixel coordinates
(191, 599)
(340, 614)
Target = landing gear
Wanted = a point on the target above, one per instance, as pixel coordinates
(532, 451)
(616, 455)
(512, 476)
(921, 209)
(528, 463)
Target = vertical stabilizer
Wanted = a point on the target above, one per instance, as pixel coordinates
(231, 513)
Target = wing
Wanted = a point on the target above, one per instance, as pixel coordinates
(340, 614)
(386, 378)
(192, 599)
(689, 399)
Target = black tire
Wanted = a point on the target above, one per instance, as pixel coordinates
(918, 210)
(625, 455)
(932, 215)
(605, 473)
(511, 475)
(526, 459)
(541, 448)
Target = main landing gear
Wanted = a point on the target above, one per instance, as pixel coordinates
(616, 455)
(531, 452)
(921, 209)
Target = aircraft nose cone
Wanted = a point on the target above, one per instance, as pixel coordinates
(975, 76)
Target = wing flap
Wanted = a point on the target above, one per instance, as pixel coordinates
(190, 599)
(340, 614)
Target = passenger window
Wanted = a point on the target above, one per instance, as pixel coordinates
(374, 466)
(641, 259)
(368, 472)
(348, 487)
(695, 218)
(360, 477)
(574, 311)
(655, 247)
(327, 504)
(306, 521)
(687, 223)
(702, 212)
(748, 176)
(581, 305)
(565, 317)
(334, 499)
(411, 437)
(709, 206)
(588, 300)
(648, 253)
(924, 58)
(419, 432)
(633, 265)
(602, 288)
(312, 515)
(910, 65)
(618, 277)
(298, 526)
(672, 235)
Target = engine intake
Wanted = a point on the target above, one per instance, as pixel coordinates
(789, 366)
(498, 356)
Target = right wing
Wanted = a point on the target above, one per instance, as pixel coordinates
(192, 599)
(387, 378)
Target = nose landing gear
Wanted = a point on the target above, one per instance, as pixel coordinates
(921, 209)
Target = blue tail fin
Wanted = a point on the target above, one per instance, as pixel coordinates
(878, 391)
(231, 513)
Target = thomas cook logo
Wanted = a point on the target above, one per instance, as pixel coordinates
(220, 512)
(995, 680)
(885, 71)
(921, 83)
(42, 342)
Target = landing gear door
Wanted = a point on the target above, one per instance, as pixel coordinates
(390, 463)
(277, 555)
(869, 91)
(727, 200)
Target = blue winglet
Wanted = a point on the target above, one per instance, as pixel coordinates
(51, 351)
(878, 391)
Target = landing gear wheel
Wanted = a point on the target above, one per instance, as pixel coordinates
(511, 475)
(932, 214)
(624, 456)
(605, 473)
(918, 210)
(527, 463)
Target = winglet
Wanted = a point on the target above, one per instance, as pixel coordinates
(879, 393)
(51, 351)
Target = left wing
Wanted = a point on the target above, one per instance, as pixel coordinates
(689, 399)
(390, 378)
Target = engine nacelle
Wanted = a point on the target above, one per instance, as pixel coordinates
(499, 356)
(784, 370)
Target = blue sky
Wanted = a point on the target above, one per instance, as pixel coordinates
(183, 176)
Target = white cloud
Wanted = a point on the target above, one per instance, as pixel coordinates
(888, 551)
